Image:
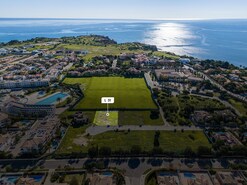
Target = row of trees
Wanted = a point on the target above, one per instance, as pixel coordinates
(105, 151)
(130, 72)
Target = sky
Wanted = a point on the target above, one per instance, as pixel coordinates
(124, 9)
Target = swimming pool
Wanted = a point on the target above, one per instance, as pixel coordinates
(37, 178)
(189, 175)
(41, 92)
(52, 99)
(165, 174)
(107, 173)
(9, 179)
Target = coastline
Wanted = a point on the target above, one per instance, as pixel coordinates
(54, 39)
(198, 38)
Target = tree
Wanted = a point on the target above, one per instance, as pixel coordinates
(239, 150)
(58, 99)
(54, 177)
(136, 149)
(218, 144)
(189, 152)
(156, 139)
(157, 150)
(105, 151)
(156, 92)
(9, 168)
(119, 179)
(93, 151)
(187, 111)
(203, 150)
(74, 181)
(154, 114)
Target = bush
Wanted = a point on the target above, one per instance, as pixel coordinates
(136, 149)
(54, 177)
(191, 137)
(93, 151)
(154, 114)
(203, 150)
(74, 181)
(105, 151)
(189, 152)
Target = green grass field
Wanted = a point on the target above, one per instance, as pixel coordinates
(169, 140)
(129, 93)
(101, 119)
(166, 55)
(175, 105)
(68, 145)
(84, 82)
(137, 118)
(99, 50)
(241, 107)
(79, 177)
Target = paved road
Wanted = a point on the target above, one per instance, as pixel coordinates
(151, 85)
(114, 64)
(68, 66)
(227, 104)
(20, 60)
(47, 180)
(94, 130)
(162, 114)
(222, 88)
(149, 80)
(17, 149)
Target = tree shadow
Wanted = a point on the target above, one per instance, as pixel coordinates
(134, 163)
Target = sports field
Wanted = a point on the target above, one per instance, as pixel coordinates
(129, 93)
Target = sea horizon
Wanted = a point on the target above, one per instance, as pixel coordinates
(140, 19)
(218, 39)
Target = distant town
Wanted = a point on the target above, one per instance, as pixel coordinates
(175, 119)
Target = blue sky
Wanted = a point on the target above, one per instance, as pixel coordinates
(124, 9)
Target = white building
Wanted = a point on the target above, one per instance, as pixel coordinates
(26, 110)
(3, 51)
(184, 60)
(40, 136)
(24, 84)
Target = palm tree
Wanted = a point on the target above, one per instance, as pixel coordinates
(58, 99)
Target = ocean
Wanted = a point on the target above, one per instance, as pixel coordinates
(205, 39)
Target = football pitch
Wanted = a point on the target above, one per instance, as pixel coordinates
(129, 93)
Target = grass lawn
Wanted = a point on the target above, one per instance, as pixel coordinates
(37, 47)
(68, 145)
(84, 82)
(166, 55)
(169, 140)
(137, 118)
(129, 93)
(241, 107)
(99, 50)
(78, 177)
(68, 115)
(200, 103)
(101, 119)
(175, 105)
